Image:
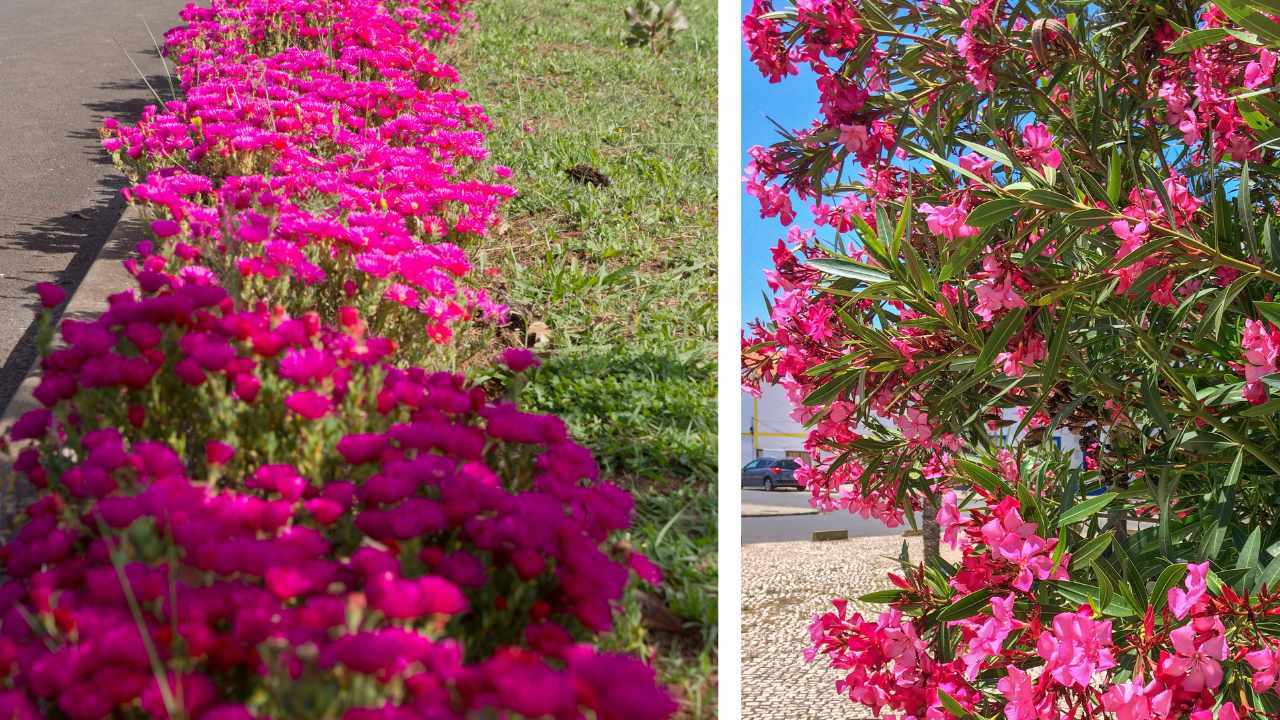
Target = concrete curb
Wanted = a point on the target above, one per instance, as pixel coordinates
(748, 512)
(105, 277)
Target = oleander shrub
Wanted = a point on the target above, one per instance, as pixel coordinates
(249, 498)
(1037, 218)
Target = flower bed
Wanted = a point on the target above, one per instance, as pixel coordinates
(249, 503)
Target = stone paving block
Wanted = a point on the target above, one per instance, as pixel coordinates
(783, 586)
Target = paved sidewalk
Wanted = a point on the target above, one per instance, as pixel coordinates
(63, 67)
(783, 585)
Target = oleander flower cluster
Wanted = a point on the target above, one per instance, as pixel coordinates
(246, 501)
(1036, 306)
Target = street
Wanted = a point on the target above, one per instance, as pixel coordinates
(757, 527)
(63, 68)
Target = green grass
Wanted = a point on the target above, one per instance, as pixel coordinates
(615, 285)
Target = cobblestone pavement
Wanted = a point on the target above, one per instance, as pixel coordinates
(783, 585)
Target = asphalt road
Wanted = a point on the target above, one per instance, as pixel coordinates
(64, 66)
(801, 527)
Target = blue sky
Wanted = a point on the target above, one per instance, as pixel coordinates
(793, 103)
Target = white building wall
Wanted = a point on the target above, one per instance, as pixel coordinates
(767, 427)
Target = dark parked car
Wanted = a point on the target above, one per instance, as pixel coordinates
(770, 473)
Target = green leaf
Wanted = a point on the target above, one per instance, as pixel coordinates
(881, 597)
(1090, 551)
(953, 706)
(965, 606)
(989, 481)
(829, 390)
(998, 340)
(1086, 509)
(943, 162)
(1114, 177)
(1056, 346)
(1269, 575)
(992, 212)
(1248, 559)
(850, 269)
(1090, 218)
(1269, 310)
(988, 152)
(1197, 39)
(1169, 577)
(1050, 199)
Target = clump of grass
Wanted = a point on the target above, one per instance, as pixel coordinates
(607, 259)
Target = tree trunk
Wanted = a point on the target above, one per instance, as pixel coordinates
(1117, 524)
(930, 535)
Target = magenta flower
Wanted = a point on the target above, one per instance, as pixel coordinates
(1135, 701)
(51, 295)
(990, 636)
(217, 452)
(519, 359)
(308, 404)
(948, 517)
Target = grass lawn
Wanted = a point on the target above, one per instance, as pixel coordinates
(615, 283)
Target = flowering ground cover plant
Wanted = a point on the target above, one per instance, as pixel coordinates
(1037, 217)
(250, 501)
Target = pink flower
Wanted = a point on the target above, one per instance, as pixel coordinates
(914, 424)
(1019, 695)
(1182, 602)
(1077, 648)
(1258, 72)
(1040, 148)
(1198, 648)
(948, 221)
(990, 637)
(948, 518)
(993, 297)
(1261, 344)
(1266, 664)
(1134, 701)
(645, 569)
(854, 137)
(978, 165)
(1011, 539)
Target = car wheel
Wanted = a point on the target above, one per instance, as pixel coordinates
(768, 485)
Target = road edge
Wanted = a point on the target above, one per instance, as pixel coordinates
(105, 277)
